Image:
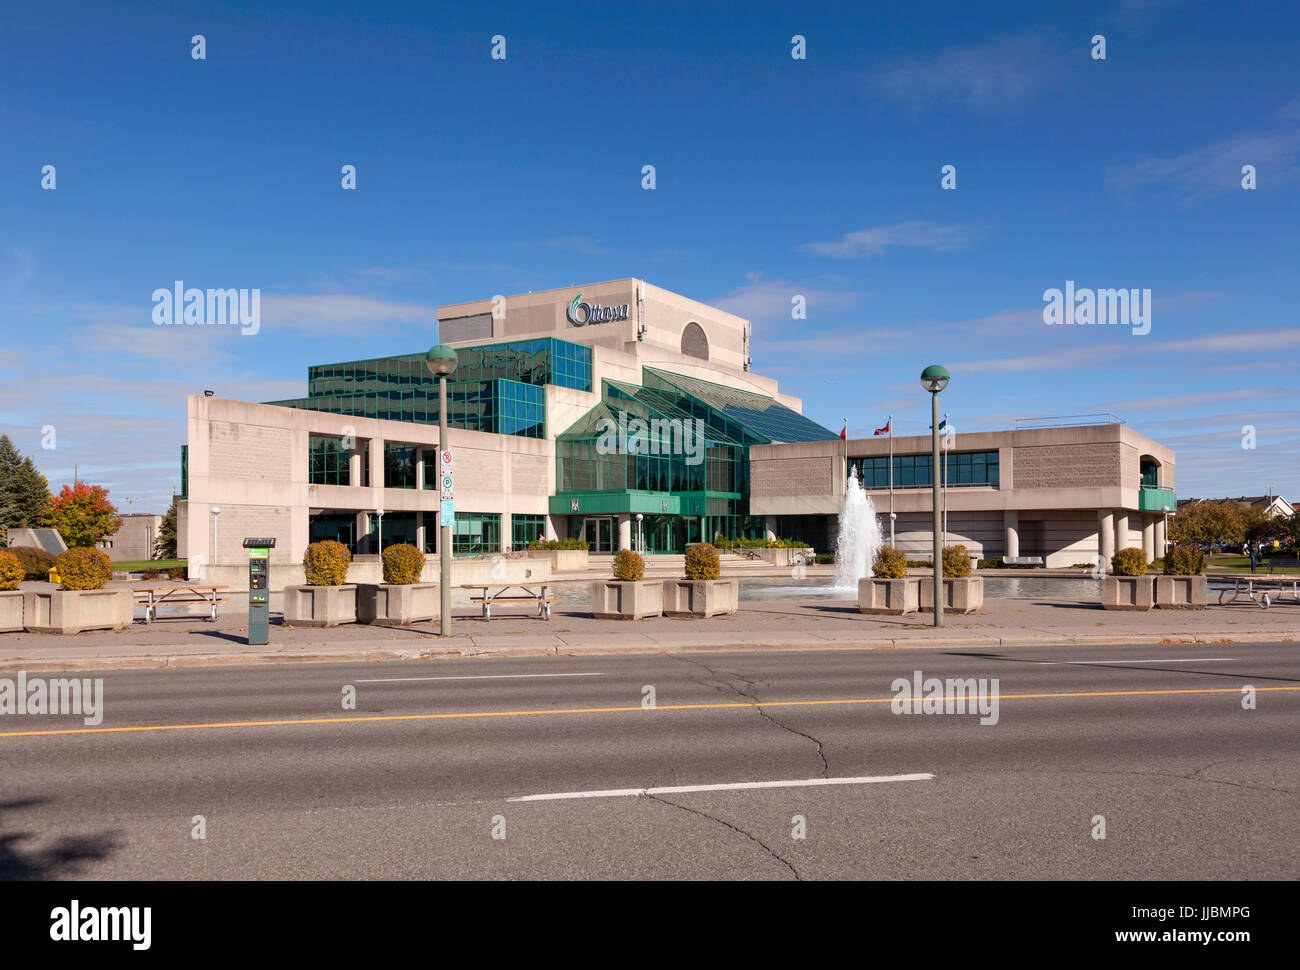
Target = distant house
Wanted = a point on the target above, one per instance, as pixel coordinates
(1275, 505)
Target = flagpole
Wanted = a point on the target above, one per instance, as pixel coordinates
(846, 453)
(890, 425)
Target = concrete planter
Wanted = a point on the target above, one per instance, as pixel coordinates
(389, 605)
(1128, 592)
(564, 560)
(612, 599)
(780, 557)
(11, 611)
(889, 596)
(701, 597)
(320, 605)
(961, 594)
(77, 610)
(1180, 592)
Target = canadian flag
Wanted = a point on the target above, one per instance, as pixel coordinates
(884, 430)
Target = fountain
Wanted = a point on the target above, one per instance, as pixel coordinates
(859, 537)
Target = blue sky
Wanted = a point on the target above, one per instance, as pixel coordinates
(775, 177)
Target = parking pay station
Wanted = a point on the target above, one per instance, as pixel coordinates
(259, 588)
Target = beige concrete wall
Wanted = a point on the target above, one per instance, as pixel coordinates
(1039, 469)
(251, 461)
(134, 540)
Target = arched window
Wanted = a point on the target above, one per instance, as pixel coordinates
(694, 342)
(1150, 472)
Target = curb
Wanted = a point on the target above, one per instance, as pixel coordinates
(166, 661)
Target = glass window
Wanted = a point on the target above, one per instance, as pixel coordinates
(525, 529)
(399, 466)
(476, 533)
(327, 461)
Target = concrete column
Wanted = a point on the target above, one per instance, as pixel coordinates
(419, 467)
(1160, 535)
(376, 446)
(362, 531)
(420, 534)
(1011, 525)
(1149, 537)
(1106, 536)
(624, 530)
(551, 532)
(354, 468)
(1121, 529)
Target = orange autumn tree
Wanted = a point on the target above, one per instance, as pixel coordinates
(83, 515)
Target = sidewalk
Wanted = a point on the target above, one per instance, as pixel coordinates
(759, 625)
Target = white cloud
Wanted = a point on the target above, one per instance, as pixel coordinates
(1001, 73)
(338, 313)
(913, 234)
(1216, 167)
(770, 301)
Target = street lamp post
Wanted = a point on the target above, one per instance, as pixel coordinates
(441, 363)
(934, 379)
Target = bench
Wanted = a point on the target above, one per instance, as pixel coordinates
(525, 594)
(151, 597)
(1023, 560)
(1262, 590)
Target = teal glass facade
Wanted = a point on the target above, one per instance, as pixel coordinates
(498, 388)
(676, 450)
(916, 471)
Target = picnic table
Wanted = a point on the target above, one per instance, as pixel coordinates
(151, 597)
(490, 593)
(1260, 588)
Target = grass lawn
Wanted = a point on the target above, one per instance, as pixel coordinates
(1241, 564)
(140, 565)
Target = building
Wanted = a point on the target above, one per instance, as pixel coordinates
(1063, 494)
(626, 415)
(135, 539)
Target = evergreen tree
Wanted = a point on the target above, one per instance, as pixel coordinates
(24, 492)
(164, 545)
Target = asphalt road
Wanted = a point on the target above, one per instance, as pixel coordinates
(1153, 739)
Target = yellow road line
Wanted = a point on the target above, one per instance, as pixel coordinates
(597, 710)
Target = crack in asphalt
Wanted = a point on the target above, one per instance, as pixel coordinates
(723, 685)
(735, 828)
(1195, 776)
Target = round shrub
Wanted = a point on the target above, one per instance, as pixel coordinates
(1186, 560)
(36, 563)
(1129, 562)
(702, 562)
(402, 565)
(84, 567)
(11, 570)
(326, 563)
(891, 563)
(629, 567)
(956, 562)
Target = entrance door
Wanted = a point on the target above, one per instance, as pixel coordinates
(598, 533)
